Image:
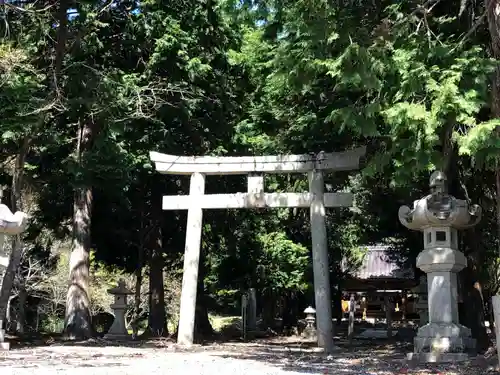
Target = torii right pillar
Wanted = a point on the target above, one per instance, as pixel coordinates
(439, 216)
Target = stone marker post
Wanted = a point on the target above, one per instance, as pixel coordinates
(404, 301)
(252, 310)
(352, 309)
(244, 316)
(118, 330)
(388, 314)
(439, 216)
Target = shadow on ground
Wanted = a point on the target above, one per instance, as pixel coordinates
(361, 357)
(43, 340)
(347, 360)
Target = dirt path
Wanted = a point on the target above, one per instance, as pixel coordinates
(252, 358)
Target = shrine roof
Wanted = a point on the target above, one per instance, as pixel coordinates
(376, 264)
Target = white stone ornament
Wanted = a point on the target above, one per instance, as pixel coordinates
(11, 224)
(439, 216)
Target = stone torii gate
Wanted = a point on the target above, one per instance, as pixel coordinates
(255, 167)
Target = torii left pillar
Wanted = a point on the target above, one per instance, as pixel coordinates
(185, 335)
(321, 265)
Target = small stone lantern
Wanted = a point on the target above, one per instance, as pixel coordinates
(310, 330)
(439, 216)
(118, 329)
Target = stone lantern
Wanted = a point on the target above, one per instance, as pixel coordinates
(10, 225)
(439, 216)
(118, 329)
(310, 330)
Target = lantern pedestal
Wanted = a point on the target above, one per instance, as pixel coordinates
(443, 339)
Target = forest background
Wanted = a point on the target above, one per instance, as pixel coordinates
(88, 88)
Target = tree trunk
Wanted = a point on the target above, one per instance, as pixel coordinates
(62, 36)
(21, 311)
(202, 327)
(144, 234)
(157, 319)
(290, 315)
(77, 324)
(497, 178)
(474, 316)
(493, 16)
(137, 294)
(337, 304)
(8, 314)
(268, 309)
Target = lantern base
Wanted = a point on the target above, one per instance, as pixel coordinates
(438, 357)
(443, 342)
(3, 344)
(310, 333)
(118, 329)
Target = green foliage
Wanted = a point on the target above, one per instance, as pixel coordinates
(482, 142)
(283, 263)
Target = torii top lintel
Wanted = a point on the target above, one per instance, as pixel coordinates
(224, 165)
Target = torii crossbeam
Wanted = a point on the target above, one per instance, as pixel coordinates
(255, 167)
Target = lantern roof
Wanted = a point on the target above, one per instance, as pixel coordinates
(120, 288)
(309, 310)
(439, 209)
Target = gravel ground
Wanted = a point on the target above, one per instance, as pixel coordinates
(251, 358)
